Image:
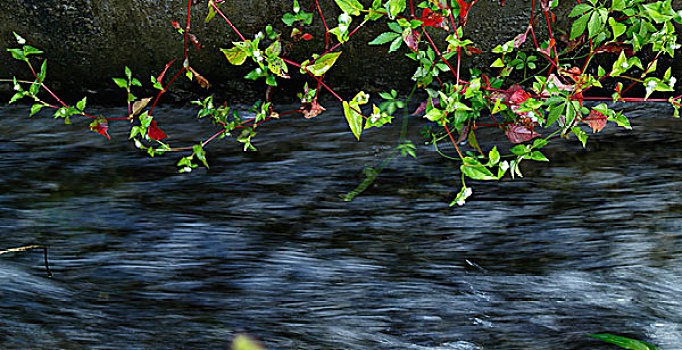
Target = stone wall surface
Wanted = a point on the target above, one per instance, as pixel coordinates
(87, 42)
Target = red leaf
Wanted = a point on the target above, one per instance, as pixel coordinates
(596, 120)
(176, 25)
(100, 126)
(306, 36)
(195, 42)
(411, 38)
(312, 109)
(521, 38)
(515, 94)
(432, 19)
(154, 132)
(471, 50)
(463, 11)
(520, 133)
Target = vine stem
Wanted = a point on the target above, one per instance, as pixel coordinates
(227, 20)
(451, 138)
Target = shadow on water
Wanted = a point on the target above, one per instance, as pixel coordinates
(145, 258)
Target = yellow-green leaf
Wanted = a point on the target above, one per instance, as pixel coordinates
(322, 64)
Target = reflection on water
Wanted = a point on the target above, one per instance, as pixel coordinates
(145, 258)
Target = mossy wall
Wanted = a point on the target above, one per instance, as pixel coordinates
(89, 41)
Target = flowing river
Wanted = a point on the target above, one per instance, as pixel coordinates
(261, 243)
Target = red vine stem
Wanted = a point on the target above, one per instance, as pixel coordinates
(227, 20)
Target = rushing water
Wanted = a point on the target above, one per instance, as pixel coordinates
(146, 258)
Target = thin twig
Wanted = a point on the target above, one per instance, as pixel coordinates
(31, 247)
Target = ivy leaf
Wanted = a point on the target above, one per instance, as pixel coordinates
(354, 118)
(322, 64)
(353, 7)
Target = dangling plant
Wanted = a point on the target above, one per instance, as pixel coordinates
(535, 89)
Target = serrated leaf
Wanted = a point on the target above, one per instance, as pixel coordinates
(322, 64)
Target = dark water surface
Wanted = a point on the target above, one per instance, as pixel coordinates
(145, 258)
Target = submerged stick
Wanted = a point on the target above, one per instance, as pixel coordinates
(31, 247)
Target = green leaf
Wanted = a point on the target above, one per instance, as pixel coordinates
(274, 49)
(493, 156)
(384, 38)
(236, 55)
(498, 63)
(579, 9)
(618, 5)
(537, 155)
(624, 342)
(200, 153)
(43, 71)
(36, 108)
(278, 67)
(435, 115)
(128, 72)
(81, 104)
(322, 64)
(354, 118)
(394, 7)
(353, 7)
(594, 25)
(395, 45)
(578, 27)
(582, 136)
(475, 170)
(621, 120)
(122, 83)
(656, 10)
(135, 82)
(211, 11)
